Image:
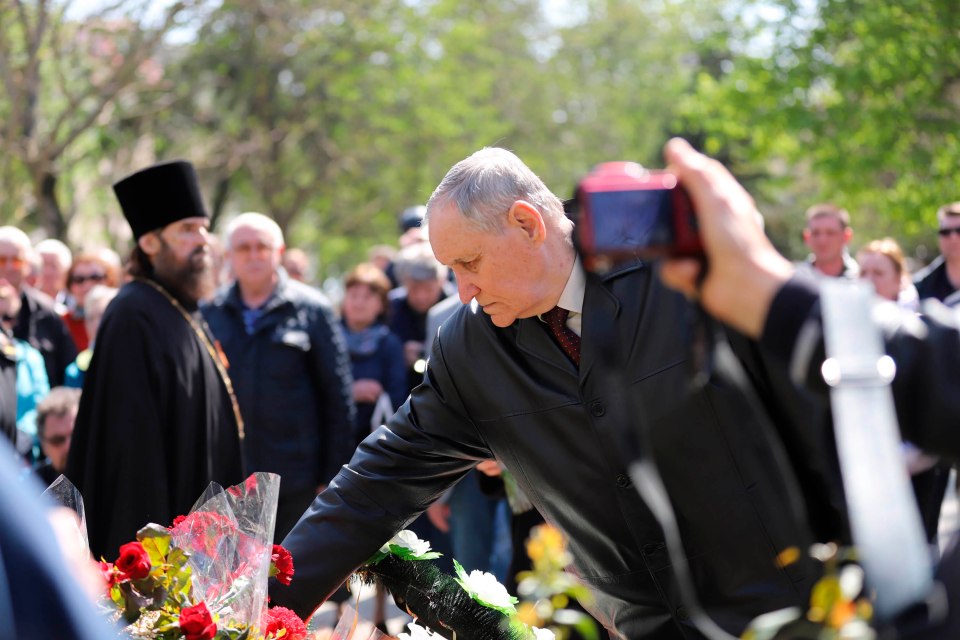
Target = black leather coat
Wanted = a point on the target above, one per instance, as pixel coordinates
(567, 436)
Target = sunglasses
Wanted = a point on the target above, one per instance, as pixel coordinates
(11, 261)
(943, 233)
(93, 277)
(57, 441)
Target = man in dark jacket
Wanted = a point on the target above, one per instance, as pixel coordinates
(423, 283)
(37, 322)
(289, 365)
(157, 420)
(753, 288)
(941, 279)
(509, 378)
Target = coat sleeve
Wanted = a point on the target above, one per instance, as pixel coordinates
(926, 350)
(394, 475)
(334, 388)
(118, 455)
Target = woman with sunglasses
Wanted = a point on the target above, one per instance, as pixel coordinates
(87, 270)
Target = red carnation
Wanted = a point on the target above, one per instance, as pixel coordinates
(177, 521)
(196, 623)
(109, 574)
(283, 619)
(281, 564)
(134, 561)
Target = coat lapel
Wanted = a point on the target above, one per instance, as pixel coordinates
(534, 339)
(600, 310)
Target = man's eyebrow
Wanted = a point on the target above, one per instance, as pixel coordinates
(465, 260)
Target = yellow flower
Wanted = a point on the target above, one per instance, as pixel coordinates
(527, 614)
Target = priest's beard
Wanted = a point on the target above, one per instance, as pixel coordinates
(189, 280)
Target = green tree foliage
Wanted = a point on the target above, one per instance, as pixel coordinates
(334, 118)
(862, 97)
(63, 81)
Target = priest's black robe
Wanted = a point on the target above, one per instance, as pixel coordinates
(155, 424)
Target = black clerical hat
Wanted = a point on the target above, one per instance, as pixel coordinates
(154, 197)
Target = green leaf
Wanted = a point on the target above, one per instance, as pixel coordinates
(156, 541)
(463, 580)
(461, 573)
(377, 557)
(406, 554)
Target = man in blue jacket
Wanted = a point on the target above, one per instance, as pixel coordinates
(289, 367)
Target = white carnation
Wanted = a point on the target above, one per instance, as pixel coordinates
(408, 540)
(485, 587)
(418, 633)
(543, 634)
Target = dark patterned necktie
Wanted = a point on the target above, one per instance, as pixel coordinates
(569, 341)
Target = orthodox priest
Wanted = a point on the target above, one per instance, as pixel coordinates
(158, 420)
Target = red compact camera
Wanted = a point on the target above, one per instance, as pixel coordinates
(623, 211)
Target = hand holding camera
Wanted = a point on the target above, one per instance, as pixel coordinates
(694, 209)
(624, 211)
(746, 271)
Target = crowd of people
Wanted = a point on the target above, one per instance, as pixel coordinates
(194, 361)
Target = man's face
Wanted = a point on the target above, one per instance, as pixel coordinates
(826, 237)
(53, 273)
(949, 237)
(56, 438)
(183, 259)
(13, 263)
(504, 271)
(9, 300)
(253, 256)
(422, 294)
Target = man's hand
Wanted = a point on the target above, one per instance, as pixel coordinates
(366, 390)
(745, 271)
(489, 468)
(66, 528)
(439, 515)
(412, 351)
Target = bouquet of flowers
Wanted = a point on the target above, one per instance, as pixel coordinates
(205, 576)
(839, 606)
(469, 605)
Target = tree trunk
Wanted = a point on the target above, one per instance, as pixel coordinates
(220, 194)
(49, 213)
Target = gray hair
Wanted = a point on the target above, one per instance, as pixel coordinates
(59, 402)
(256, 221)
(485, 185)
(52, 246)
(17, 238)
(418, 263)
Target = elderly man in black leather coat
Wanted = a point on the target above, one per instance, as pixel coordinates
(499, 386)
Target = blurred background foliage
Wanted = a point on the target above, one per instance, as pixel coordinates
(334, 115)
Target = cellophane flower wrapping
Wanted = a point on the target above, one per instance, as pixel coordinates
(229, 535)
(352, 627)
(62, 492)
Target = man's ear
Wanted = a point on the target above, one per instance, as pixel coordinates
(847, 235)
(526, 217)
(149, 243)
